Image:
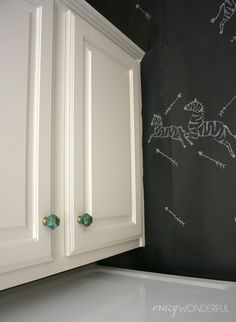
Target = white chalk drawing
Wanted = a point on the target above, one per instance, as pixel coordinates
(178, 219)
(198, 127)
(146, 14)
(217, 162)
(160, 131)
(233, 39)
(167, 157)
(172, 104)
(224, 109)
(228, 7)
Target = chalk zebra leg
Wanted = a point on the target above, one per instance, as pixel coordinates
(222, 25)
(222, 140)
(230, 133)
(182, 142)
(154, 135)
(180, 129)
(226, 143)
(215, 18)
(228, 146)
(191, 135)
(174, 133)
(179, 138)
(186, 136)
(149, 140)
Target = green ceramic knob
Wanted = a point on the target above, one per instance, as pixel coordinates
(85, 220)
(51, 221)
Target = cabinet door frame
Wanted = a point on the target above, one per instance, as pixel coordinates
(76, 171)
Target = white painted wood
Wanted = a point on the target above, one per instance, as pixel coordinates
(62, 263)
(25, 131)
(65, 95)
(102, 139)
(89, 14)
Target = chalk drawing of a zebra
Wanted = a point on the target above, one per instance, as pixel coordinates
(160, 131)
(229, 8)
(198, 127)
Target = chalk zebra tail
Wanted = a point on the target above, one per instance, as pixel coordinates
(229, 131)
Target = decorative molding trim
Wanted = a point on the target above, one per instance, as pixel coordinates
(25, 264)
(35, 121)
(69, 129)
(87, 12)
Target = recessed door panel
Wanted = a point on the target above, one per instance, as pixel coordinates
(109, 132)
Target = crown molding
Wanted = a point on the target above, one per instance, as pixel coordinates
(92, 16)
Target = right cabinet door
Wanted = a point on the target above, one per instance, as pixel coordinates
(103, 163)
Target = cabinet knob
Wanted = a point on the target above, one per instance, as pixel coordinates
(51, 221)
(85, 220)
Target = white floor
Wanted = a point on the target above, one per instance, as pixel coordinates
(100, 294)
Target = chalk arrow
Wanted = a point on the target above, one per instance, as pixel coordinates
(167, 157)
(224, 109)
(173, 103)
(217, 162)
(178, 219)
(146, 14)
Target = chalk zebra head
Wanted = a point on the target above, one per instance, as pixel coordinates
(156, 120)
(194, 106)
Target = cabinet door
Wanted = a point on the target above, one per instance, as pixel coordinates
(103, 174)
(25, 127)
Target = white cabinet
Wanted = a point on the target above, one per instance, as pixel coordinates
(102, 139)
(25, 131)
(70, 138)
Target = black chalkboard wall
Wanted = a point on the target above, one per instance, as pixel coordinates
(189, 133)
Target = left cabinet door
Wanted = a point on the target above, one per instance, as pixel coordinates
(26, 29)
